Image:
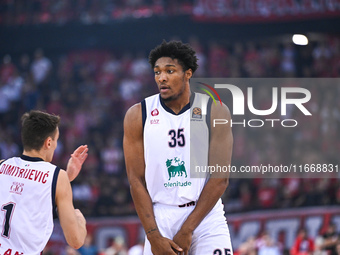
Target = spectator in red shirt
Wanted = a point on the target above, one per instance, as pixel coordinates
(303, 245)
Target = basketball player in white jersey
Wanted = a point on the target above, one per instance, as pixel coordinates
(180, 214)
(33, 190)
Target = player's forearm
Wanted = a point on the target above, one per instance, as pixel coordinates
(70, 175)
(144, 208)
(210, 194)
(76, 233)
(80, 237)
(76, 238)
(82, 231)
(76, 241)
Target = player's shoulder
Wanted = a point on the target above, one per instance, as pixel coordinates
(62, 174)
(11, 160)
(62, 183)
(220, 110)
(133, 117)
(135, 111)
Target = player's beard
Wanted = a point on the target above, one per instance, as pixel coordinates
(175, 96)
(172, 98)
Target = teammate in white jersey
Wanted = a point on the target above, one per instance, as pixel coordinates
(180, 214)
(33, 190)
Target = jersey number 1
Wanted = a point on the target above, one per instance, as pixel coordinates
(177, 138)
(8, 208)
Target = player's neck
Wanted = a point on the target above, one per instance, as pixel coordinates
(179, 103)
(34, 154)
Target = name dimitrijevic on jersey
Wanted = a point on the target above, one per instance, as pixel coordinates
(24, 173)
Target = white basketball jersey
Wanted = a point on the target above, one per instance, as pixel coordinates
(167, 152)
(27, 201)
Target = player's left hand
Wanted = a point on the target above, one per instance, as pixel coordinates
(76, 161)
(183, 239)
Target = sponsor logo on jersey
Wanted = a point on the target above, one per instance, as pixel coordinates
(17, 188)
(176, 167)
(197, 113)
(155, 121)
(154, 112)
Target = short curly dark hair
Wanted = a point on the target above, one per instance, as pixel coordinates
(183, 52)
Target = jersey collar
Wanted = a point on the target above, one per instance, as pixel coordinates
(28, 158)
(185, 108)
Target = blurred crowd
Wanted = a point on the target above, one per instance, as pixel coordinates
(326, 243)
(115, 246)
(92, 89)
(21, 12)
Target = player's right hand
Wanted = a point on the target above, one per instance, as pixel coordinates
(184, 239)
(76, 161)
(164, 246)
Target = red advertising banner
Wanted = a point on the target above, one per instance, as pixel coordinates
(247, 11)
(281, 225)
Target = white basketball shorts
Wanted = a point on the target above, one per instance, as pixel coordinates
(211, 237)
